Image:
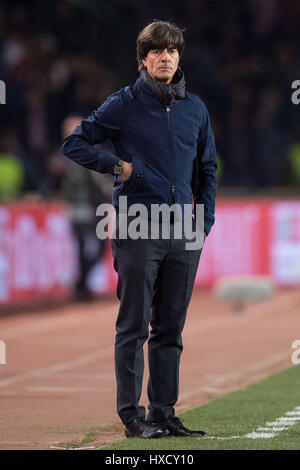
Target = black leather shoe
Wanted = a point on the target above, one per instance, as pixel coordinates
(139, 428)
(176, 428)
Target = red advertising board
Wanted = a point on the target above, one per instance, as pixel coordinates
(38, 253)
(238, 242)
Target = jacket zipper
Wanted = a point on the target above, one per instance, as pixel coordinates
(172, 156)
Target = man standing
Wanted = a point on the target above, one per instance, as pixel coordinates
(164, 154)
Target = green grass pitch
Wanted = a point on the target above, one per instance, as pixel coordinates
(265, 415)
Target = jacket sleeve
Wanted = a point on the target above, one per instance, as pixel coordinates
(101, 125)
(206, 171)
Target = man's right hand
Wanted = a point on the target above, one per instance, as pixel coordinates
(127, 170)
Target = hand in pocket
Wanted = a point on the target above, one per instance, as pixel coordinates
(127, 170)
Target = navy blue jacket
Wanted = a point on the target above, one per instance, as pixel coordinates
(171, 148)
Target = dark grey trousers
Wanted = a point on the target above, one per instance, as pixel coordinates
(155, 283)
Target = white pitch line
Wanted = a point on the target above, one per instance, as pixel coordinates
(64, 389)
(269, 430)
(219, 438)
(63, 320)
(39, 327)
(108, 376)
(72, 448)
(61, 366)
(274, 429)
(15, 442)
(283, 420)
(260, 435)
(279, 423)
(220, 381)
(210, 390)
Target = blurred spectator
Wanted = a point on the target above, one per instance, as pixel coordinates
(269, 139)
(11, 168)
(83, 191)
(294, 162)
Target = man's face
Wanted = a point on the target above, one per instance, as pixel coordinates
(162, 64)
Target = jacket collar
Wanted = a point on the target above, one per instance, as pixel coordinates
(165, 94)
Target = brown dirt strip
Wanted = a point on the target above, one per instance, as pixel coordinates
(58, 386)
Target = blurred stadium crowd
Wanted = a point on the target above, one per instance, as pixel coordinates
(60, 58)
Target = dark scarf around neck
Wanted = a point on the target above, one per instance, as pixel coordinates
(166, 94)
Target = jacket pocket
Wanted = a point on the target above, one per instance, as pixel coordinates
(136, 178)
